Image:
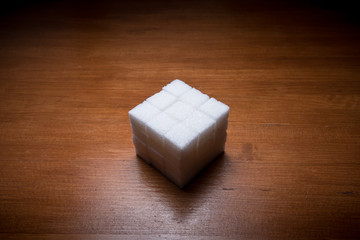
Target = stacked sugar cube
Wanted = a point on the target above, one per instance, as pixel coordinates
(179, 130)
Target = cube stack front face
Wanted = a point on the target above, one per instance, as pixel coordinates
(179, 130)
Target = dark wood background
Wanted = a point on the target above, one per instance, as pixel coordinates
(71, 71)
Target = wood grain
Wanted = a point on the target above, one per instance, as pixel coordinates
(70, 72)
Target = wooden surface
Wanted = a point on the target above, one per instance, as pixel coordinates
(70, 72)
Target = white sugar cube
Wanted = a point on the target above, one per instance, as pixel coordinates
(180, 110)
(179, 130)
(141, 149)
(194, 97)
(219, 112)
(139, 116)
(157, 128)
(177, 88)
(161, 100)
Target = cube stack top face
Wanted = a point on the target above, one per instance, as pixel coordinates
(178, 117)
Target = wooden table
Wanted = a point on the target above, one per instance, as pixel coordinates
(71, 71)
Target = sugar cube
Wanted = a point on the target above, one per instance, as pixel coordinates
(179, 130)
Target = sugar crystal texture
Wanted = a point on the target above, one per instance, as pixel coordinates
(179, 131)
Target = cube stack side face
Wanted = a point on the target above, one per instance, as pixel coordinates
(141, 149)
(179, 130)
(139, 115)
